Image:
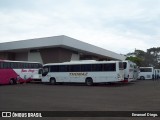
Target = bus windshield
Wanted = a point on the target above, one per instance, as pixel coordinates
(145, 69)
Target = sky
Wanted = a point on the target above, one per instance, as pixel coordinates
(120, 26)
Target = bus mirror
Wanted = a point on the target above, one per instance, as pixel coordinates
(44, 74)
(40, 71)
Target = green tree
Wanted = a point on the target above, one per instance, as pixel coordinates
(146, 59)
(136, 60)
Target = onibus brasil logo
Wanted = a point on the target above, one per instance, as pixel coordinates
(21, 114)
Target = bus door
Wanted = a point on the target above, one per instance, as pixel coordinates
(45, 75)
(3, 76)
(131, 73)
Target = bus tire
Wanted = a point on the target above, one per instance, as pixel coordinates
(89, 81)
(12, 82)
(142, 78)
(52, 81)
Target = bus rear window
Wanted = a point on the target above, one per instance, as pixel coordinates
(145, 69)
(124, 65)
(121, 66)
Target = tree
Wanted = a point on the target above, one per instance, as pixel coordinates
(136, 60)
(146, 59)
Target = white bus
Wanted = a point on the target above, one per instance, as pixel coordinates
(88, 72)
(128, 71)
(136, 72)
(156, 73)
(146, 73)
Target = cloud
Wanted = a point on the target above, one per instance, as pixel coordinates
(116, 25)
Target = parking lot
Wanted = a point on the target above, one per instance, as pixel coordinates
(136, 96)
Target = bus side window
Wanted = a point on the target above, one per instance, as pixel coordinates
(1, 65)
(12, 65)
(25, 65)
(20, 65)
(75, 68)
(54, 68)
(15, 65)
(63, 68)
(6, 65)
(110, 67)
(97, 67)
(86, 68)
(35, 65)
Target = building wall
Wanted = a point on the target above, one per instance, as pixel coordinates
(7, 55)
(3, 55)
(35, 56)
(45, 55)
(61, 41)
(75, 56)
(50, 55)
(55, 55)
(21, 56)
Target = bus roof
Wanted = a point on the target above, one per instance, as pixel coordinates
(80, 62)
(18, 61)
(145, 67)
(128, 61)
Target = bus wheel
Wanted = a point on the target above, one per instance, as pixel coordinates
(142, 78)
(89, 81)
(11, 82)
(52, 81)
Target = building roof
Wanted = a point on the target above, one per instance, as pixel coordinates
(58, 41)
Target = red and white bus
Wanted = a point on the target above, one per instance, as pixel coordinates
(12, 72)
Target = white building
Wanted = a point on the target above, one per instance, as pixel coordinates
(54, 49)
